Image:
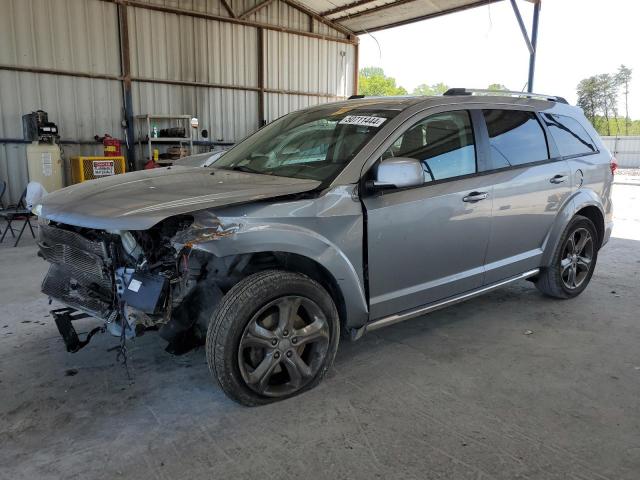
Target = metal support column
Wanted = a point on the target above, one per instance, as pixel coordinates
(125, 61)
(534, 44)
(356, 73)
(261, 110)
(530, 42)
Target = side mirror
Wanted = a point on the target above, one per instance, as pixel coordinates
(398, 172)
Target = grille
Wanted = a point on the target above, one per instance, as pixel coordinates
(61, 285)
(78, 276)
(52, 235)
(82, 258)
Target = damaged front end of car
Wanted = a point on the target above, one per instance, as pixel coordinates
(138, 280)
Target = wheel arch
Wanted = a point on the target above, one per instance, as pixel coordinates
(585, 203)
(294, 249)
(294, 262)
(594, 214)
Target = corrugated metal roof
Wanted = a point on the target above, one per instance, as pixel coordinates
(361, 16)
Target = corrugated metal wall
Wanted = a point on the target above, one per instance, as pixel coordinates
(327, 67)
(229, 115)
(180, 64)
(40, 34)
(625, 149)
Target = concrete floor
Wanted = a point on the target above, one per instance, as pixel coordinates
(461, 394)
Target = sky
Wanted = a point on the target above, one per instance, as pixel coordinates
(484, 45)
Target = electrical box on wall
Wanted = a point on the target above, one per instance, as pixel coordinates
(37, 127)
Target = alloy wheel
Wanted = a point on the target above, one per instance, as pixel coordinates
(577, 258)
(283, 346)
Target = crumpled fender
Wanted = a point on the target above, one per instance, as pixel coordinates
(258, 236)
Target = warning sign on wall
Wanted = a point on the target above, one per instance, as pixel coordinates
(103, 168)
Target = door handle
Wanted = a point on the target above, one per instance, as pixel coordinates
(558, 179)
(475, 197)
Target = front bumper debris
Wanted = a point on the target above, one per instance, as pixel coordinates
(63, 318)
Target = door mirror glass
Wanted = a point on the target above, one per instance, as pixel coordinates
(398, 172)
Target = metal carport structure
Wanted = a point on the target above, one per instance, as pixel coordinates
(366, 16)
(236, 64)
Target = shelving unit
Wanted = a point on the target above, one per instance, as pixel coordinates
(145, 134)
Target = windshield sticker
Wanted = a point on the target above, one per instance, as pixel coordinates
(362, 120)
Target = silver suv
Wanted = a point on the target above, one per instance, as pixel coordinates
(338, 219)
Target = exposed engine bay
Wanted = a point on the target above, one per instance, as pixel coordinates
(140, 280)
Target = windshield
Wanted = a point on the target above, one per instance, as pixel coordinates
(312, 144)
(197, 160)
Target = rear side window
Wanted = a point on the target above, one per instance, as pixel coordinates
(443, 143)
(515, 138)
(570, 137)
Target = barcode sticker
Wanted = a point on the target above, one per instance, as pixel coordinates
(363, 120)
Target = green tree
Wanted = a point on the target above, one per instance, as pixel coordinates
(598, 98)
(624, 78)
(373, 82)
(608, 93)
(497, 87)
(589, 97)
(430, 90)
(371, 72)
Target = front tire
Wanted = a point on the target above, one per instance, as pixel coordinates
(274, 335)
(573, 261)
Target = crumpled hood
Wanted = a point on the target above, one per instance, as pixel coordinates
(139, 200)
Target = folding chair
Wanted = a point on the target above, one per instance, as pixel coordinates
(3, 188)
(18, 213)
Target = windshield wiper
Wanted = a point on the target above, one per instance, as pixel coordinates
(245, 169)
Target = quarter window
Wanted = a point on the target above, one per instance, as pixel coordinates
(443, 143)
(570, 137)
(515, 138)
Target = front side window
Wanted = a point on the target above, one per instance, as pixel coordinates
(570, 137)
(310, 144)
(515, 138)
(443, 143)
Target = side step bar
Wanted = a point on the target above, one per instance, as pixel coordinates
(407, 315)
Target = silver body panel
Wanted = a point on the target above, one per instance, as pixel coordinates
(524, 207)
(432, 241)
(388, 253)
(139, 200)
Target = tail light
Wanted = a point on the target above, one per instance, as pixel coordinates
(613, 163)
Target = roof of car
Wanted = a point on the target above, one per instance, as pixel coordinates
(404, 102)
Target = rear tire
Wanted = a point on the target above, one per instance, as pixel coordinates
(274, 335)
(573, 261)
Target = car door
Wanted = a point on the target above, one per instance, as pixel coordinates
(427, 243)
(529, 187)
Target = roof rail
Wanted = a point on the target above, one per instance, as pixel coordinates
(355, 97)
(470, 91)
